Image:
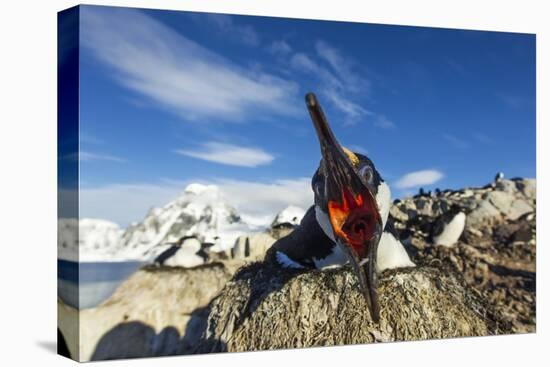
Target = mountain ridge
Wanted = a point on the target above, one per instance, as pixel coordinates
(200, 211)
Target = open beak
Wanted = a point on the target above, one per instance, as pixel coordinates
(352, 207)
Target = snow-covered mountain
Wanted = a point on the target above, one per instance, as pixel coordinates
(95, 238)
(201, 211)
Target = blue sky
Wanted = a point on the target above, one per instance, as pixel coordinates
(169, 98)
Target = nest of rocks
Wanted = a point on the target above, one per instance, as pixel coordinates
(266, 308)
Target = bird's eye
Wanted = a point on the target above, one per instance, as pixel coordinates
(366, 173)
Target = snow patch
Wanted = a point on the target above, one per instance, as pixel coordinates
(290, 215)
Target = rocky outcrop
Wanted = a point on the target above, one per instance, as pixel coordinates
(501, 201)
(157, 311)
(265, 308)
(496, 253)
(252, 247)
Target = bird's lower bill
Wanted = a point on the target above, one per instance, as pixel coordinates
(354, 220)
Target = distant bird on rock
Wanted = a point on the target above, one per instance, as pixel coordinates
(448, 228)
(187, 252)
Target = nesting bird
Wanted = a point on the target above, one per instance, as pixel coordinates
(349, 219)
(448, 228)
(187, 252)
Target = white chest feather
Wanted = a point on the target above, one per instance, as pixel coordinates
(383, 198)
(452, 231)
(391, 254)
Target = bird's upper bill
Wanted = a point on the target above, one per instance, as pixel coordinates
(352, 207)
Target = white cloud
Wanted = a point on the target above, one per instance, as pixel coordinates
(340, 83)
(125, 203)
(351, 109)
(456, 142)
(419, 178)
(243, 33)
(89, 156)
(85, 156)
(177, 73)
(303, 62)
(234, 155)
(265, 200)
(343, 66)
(482, 138)
(279, 48)
(255, 201)
(331, 87)
(383, 122)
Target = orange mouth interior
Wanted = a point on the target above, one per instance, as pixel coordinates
(354, 220)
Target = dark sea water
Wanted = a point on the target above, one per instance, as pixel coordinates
(87, 284)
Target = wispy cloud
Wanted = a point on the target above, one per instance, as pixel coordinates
(419, 178)
(482, 138)
(383, 122)
(456, 142)
(342, 66)
(179, 74)
(341, 82)
(226, 24)
(279, 47)
(353, 110)
(302, 62)
(257, 202)
(234, 155)
(125, 203)
(331, 86)
(89, 156)
(85, 156)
